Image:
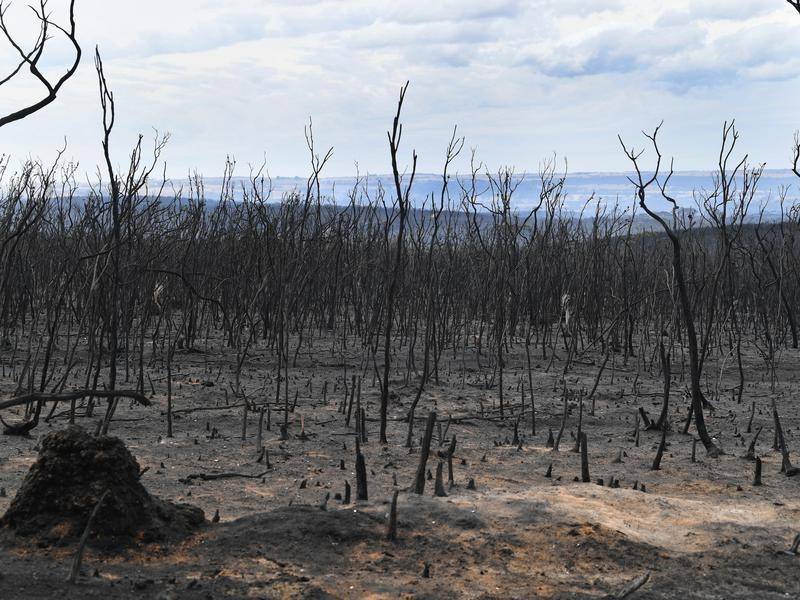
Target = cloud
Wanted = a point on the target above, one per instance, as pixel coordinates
(521, 78)
(679, 46)
(218, 33)
(454, 10)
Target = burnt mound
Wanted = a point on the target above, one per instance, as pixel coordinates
(73, 470)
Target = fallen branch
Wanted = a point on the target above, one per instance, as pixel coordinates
(214, 476)
(75, 395)
(795, 549)
(76, 563)
(186, 411)
(24, 428)
(628, 590)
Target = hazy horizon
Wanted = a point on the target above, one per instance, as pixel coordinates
(607, 188)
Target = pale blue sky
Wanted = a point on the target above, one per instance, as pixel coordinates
(522, 79)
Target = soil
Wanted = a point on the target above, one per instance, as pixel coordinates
(700, 528)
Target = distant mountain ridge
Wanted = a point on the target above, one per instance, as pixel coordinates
(609, 188)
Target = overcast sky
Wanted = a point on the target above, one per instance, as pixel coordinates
(521, 79)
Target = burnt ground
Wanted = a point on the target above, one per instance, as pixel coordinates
(701, 529)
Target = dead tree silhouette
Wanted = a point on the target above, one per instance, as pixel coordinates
(31, 58)
(796, 157)
(642, 182)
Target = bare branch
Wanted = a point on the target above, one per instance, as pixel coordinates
(31, 58)
(76, 395)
